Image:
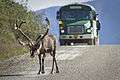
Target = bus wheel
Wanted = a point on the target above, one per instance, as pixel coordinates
(62, 42)
(91, 42)
(96, 41)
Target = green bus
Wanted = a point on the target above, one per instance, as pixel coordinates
(78, 23)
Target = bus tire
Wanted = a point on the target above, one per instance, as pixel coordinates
(91, 42)
(96, 41)
(62, 42)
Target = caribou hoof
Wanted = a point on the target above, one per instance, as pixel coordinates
(57, 71)
(51, 72)
(43, 72)
(38, 73)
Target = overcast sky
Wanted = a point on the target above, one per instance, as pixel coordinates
(41, 4)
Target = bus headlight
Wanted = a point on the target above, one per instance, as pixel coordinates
(62, 31)
(88, 30)
(60, 22)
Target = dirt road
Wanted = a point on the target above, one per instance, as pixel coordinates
(75, 63)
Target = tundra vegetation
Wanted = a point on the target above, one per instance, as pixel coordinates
(11, 13)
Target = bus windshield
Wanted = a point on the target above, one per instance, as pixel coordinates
(75, 15)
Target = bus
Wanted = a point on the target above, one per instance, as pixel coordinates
(78, 24)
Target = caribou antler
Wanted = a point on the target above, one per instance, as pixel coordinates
(45, 33)
(22, 43)
(48, 26)
(21, 24)
(18, 28)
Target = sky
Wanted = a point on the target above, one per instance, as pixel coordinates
(109, 16)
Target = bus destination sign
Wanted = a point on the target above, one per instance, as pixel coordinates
(75, 7)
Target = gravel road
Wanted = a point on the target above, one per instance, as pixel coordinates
(75, 63)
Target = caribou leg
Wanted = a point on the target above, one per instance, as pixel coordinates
(57, 71)
(53, 55)
(43, 71)
(54, 60)
(39, 63)
(54, 52)
(52, 65)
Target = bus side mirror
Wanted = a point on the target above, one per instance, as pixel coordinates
(58, 15)
(98, 25)
(94, 17)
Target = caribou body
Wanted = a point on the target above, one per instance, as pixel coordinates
(43, 45)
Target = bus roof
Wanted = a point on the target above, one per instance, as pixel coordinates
(87, 5)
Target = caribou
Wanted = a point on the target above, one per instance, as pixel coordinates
(43, 45)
